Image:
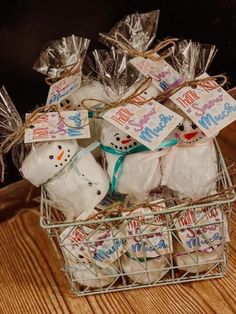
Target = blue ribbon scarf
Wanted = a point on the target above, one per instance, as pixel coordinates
(122, 154)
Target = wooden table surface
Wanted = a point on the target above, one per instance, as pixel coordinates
(31, 280)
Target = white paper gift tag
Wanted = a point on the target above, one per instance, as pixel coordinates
(203, 228)
(148, 235)
(208, 105)
(102, 247)
(162, 73)
(149, 124)
(63, 89)
(50, 126)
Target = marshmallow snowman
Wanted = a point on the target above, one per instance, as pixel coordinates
(92, 276)
(71, 175)
(190, 168)
(92, 90)
(197, 261)
(144, 272)
(140, 172)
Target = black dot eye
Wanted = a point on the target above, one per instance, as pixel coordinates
(61, 164)
(135, 143)
(180, 127)
(145, 93)
(116, 146)
(68, 150)
(128, 136)
(59, 146)
(67, 101)
(56, 165)
(61, 104)
(194, 126)
(112, 144)
(121, 147)
(99, 192)
(125, 147)
(31, 126)
(130, 146)
(117, 138)
(90, 183)
(51, 157)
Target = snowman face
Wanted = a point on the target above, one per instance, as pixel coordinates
(122, 141)
(113, 137)
(188, 133)
(68, 104)
(59, 153)
(47, 158)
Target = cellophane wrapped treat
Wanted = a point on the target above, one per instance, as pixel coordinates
(149, 244)
(134, 35)
(92, 253)
(138, 30)
(190, 168)
(132, 168)
(72, 178)
(62, 56)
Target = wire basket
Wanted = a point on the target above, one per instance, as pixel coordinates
(164, 244)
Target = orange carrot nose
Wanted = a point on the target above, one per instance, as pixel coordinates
(59, 157)
(189, 136)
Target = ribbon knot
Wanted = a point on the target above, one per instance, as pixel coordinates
(117, 170)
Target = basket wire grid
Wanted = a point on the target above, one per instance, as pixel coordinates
(127, 258)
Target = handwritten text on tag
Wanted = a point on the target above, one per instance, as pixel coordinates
(63, 89)
(148, 234)
(208, 105)
(211, 231)
(163, 74)
(149, 124)
(50, 126)
(83, 244)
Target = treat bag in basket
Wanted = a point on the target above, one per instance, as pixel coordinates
(72, 178)
(62, 61)
(132, 167)
(62, 58)
(69, 173)
(134, 35)
(190, 168)
(148, 244)
(92, 252)
(201, 238)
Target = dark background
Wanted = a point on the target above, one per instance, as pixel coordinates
(26, 27)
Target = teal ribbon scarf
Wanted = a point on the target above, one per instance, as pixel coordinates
(119, 162)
